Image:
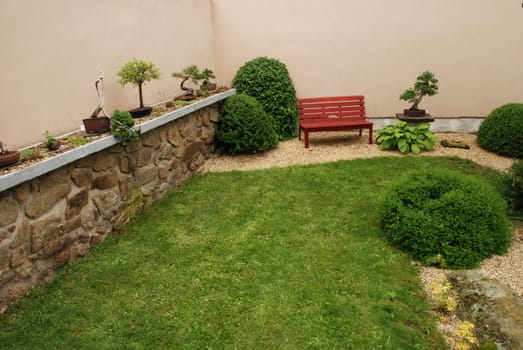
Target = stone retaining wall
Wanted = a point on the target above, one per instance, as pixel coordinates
(59, 216)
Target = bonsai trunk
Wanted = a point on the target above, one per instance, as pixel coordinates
(140, 93)
(416, 104)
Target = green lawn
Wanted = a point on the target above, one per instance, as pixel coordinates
(288, 258)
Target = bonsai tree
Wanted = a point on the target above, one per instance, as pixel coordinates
(426, 85)
(207, 75)
(191, 72)
(137, 72)
(122, 126)
(50, 141)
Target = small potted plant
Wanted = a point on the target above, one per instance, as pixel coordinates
(8, 157)
(138, 72)
(96, 124)
(207, 75)
(191, 72)
(426, 85)
(122, 126)
(51, 142)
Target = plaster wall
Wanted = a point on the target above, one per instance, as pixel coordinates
(377, 48)
(53, 50)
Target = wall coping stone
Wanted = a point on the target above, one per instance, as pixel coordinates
(15, 178)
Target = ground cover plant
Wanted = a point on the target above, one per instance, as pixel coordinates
(288, 258)
(406, 138)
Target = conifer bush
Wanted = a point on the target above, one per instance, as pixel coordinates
(445, 218)
(268, 80)
(501, 132)
(244, 127)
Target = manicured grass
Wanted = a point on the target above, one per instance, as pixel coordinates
(287, 258)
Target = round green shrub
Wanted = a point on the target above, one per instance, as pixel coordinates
(244, 127)
(501, 132)
(268, 80)
(445, 218)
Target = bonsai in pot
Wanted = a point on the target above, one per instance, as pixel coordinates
(207, 75)
(8, 157)
(51, 142)
(190, 72)
(426, 85)
(96, 124)
(138, 72)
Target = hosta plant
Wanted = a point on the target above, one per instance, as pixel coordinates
(406, 138)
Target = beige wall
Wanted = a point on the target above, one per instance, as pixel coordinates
(53, 50)
(377, 48)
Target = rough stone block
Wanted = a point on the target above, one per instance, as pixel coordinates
(144, 157)
(44, 231)
(146, 174)
(81, 176)
(4, 256)
(151, 138)
(106, 181)
(22, 234)
(192, 151)
(131, 147)
(75, 202)
(86, 162)
(8, 211)
(104, 161)
(165, 151)
(173, 136)
(106, 201)
(41, 202)
(19, 255)
(22, 193)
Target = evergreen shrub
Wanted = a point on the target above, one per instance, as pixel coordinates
(244, 127)
(268, 80)
(502, 131)
(445, 218)
(514, 188)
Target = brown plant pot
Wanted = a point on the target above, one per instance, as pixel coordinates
(414, 112)
(141, 112)
(208, 87)
(9, 157)
(97, 125)
(185, 97)
(54, 146)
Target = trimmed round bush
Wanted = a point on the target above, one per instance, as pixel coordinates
(244, 127)
(268, 80)
(445, 218)
(502, 131)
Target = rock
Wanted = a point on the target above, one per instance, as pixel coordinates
(44, 231)
(494, 308)
(81, 176)
(51, 190)
(75, 202)
(106, 181)
(8, 211)
(104, 161)
(22, 234)
(174, 137)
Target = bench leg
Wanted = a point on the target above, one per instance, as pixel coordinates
(299, 133)
(360, 132)
(370, 135)
(306, 133)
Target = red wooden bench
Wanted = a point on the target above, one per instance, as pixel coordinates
(340, 113)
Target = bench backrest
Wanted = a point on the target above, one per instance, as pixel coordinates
(351, 107)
